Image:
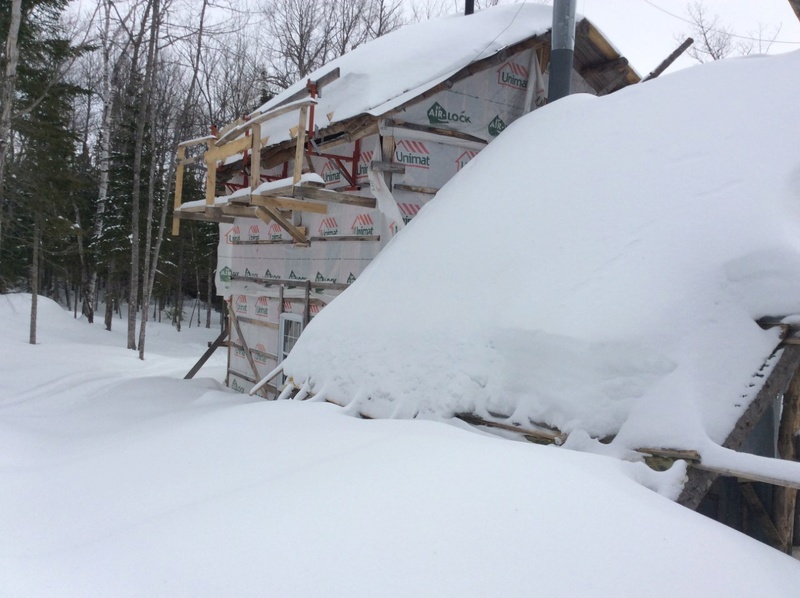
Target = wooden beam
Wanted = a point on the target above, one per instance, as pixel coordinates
(669, 59)
(795, 4)
(237, 146)
(258, 118)
(286, 203)
(604, 67)
(220, 340)
(533, 435)
(198, 141)
(176, 222)
(324, 80)
(211, 181)
(300, 149)
(202, 217)
(417, 189)
(344, 238)
(334, 197)
(267, 214)
(433, 131)
(243, 342)
(255, 156)
(785, 499)
(291, 283)
(700, 480)
(238, 211)
(382, 166)
(757, 508)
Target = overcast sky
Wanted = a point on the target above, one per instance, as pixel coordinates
(645, 33)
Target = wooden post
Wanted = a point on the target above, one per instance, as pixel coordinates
(387, 151)
(255, 157)
(669, 59)
(778, 380)
(785, 499)
(247, 353)
(300, 150)
(213, 347)
(307, 304)
(211, 179)
(176, 222)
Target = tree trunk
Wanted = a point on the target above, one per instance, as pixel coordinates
(210, 293)
(9, 84)
(144, 105)
(146, 281)
(37, 233)
(111, 294)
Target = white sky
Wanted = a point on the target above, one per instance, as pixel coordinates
(646, 34)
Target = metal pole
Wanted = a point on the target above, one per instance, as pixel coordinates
(469, 7)
(562, 49)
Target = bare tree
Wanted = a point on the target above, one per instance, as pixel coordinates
(714, 40)
(9, 83)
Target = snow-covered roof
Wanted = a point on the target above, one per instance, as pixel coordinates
(609, 291)
(384, 73)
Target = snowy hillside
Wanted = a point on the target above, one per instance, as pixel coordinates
(119, 479)
(599, 267)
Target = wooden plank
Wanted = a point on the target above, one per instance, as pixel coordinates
(237, 146)
(381, 166)
(757, 508)
(417, 189)
(234, 210)
(203, 217)
(300, 149)
(243, 343)
(334, 197)
(750, 476)
(258, 118)
(220, 340)
(306, 304)
(345, 238)
(265, 214)
(537, 436)
(605, 67)
(326, 79)
(266, 354)
(256, 322)
(211, 181)
(198, 141)
(399, 124)
(700, 480)
(255, 156)
(178, 199)
(669, 59)
(785, 499)
(190, 161)
(291, 283)
(286, 203)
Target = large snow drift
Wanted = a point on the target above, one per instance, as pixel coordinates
(598, 267)
(119, 479)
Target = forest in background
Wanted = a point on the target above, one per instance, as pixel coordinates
(94, 98)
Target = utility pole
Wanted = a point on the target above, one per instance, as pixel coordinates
(562, 46)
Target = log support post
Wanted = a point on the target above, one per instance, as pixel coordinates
(785, 499)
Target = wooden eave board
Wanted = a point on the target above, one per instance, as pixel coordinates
(591, 49)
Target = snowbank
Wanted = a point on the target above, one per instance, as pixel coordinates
(119, 479)
(604, 278)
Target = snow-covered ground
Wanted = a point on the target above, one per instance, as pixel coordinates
(117, 478)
